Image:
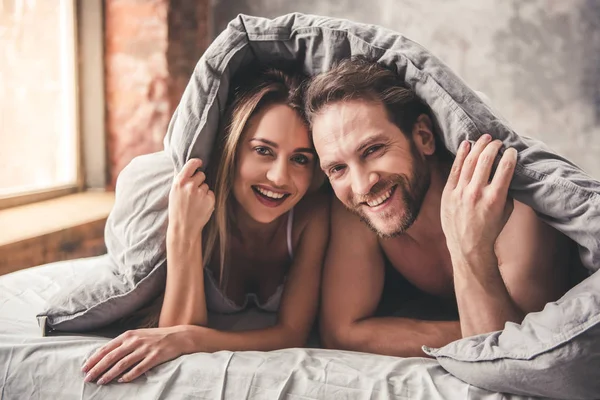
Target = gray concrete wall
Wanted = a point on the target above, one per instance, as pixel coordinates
(537, 60)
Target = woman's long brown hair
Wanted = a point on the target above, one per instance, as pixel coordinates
(253, 90)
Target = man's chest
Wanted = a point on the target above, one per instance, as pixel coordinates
(429, 269)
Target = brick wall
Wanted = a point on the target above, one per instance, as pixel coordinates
(151, 49)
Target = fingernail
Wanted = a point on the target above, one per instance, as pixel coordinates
(88, 378)
(101, 381)
(85, 368)
(121, 380)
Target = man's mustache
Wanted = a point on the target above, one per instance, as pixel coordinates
(378, 189)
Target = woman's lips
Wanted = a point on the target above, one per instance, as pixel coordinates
(266, 200)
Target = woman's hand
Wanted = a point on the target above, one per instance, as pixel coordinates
(475, 207)
(191, 202)
(141, 349)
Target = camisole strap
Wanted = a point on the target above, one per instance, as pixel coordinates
(290, 223)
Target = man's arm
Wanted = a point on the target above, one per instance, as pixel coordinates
(527, 271)
(506, 262)
(352, 287)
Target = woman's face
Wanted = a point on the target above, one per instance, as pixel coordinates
(275, 163)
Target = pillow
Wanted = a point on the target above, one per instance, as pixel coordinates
(552, 353)
(561, 193)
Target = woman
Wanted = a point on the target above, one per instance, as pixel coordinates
(260, 240)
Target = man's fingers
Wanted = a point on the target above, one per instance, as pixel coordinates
(483, 169)
(100, 353)
(471, 161)
(106, 362)
(461, 154)
(121, 366)
(505, 171)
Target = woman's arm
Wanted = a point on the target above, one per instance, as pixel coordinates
(191, 203)
(300, 299)
(143, 349)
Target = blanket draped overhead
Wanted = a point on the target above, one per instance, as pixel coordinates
(553, 353)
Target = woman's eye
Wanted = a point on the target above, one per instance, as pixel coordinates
(373, 149)
(300, 159)
(263, 151)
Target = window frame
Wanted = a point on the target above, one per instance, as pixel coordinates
(90, 141)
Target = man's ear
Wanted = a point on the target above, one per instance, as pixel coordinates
(423, 135)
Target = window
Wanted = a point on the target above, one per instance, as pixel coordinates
(39, 139)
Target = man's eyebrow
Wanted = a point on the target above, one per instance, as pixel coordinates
(380, 137)
(328, 165)
(372, 139)
(273, 144)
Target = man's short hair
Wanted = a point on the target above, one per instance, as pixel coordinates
(360, 78)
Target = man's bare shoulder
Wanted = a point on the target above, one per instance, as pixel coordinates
(526, 235)
(349, 225)
(534, 259)
(312, 209)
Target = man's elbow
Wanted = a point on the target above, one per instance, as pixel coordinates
(338, 337)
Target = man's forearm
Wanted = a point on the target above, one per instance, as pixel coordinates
(185, 301)
(484, 304)
(402, 337)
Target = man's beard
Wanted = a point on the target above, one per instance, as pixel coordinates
(412, 192)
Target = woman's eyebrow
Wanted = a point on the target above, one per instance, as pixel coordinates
(265, 141)
(274, 145)
(304, 150)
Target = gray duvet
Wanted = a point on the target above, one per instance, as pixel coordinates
(36, 367)
(553, 353)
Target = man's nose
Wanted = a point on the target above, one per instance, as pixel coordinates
(278, 172)
(363, 181)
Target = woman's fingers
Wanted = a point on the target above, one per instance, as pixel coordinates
(101, 353)
(107, 361)
(151, 360)
(203, 188)
(189, 170)
(483, 169)
(471, 161)
(121, 366)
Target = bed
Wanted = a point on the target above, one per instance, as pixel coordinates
(35, 366)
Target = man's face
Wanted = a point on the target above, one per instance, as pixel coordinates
(374, 169)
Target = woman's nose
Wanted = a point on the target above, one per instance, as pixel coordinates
(278, 173)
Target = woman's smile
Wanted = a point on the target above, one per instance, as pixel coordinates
(268, 196)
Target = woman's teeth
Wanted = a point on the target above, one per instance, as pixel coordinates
(270, 194)
(380, 199)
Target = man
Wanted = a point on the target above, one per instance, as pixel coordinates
(447, 227)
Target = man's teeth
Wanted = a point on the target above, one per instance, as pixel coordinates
(380, 199)
(270, 194)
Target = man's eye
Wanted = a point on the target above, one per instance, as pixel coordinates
(300, 159)
(373, 149)
(336, 169)
(263, 151)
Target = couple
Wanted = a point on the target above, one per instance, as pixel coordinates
(259, 228)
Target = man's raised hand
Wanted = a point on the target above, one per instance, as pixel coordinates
(475, 207)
